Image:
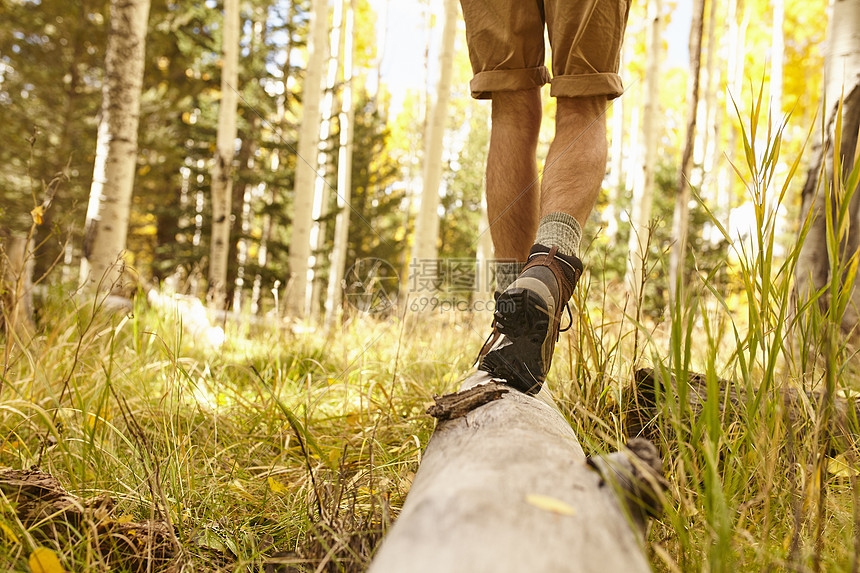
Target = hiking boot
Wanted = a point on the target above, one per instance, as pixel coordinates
(527, 320)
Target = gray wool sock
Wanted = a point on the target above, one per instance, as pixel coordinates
(561, 230)
(506, 273)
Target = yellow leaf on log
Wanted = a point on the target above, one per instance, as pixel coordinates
(548, 503)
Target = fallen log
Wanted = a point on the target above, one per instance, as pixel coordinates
(800, 408)
(504, 487)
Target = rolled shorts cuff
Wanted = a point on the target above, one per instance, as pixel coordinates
(585, 85)
(485, 83)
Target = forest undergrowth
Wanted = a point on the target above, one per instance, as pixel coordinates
(292, 450)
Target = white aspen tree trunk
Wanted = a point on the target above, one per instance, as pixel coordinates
(242, 249)
(735, 52)
(484, 255)
(643, 186)
(616, 169)
(262, 256)
(703, 107)
(841, 80)
(306, 163)
(381, 48)
(709, 147)
(222, 166)
(321, 184)
(777, 60)
(283, 125)
(427, 223)
(634, 148)
(116, 146)
(346, 119)
(681, 217)
(842, 52)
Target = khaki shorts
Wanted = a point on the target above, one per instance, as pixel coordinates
(506, 45)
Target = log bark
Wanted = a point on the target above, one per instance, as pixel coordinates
(505, 487)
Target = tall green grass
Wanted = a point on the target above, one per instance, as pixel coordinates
(755, 485)
(294, 446)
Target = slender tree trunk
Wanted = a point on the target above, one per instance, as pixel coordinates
(322, 187)
(427, 224)
(346, 119)
(306, 163)
(485, 255)
(283, 126)
(382, 22)
(116, 146)
(680, 220)
(710, 148)
(777, 59)
(245, 196)
(738, 21)
(222, 166)
(841, 76)
(16, 286)
(643, 186)
(262, 257)
(706, 101)
(616, 170)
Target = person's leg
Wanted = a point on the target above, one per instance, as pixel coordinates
(573, 172)
(585, 37)
(576, 161)
(512, 178)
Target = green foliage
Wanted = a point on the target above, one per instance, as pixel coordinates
(704, 257)
(377, 222)
(51, 61)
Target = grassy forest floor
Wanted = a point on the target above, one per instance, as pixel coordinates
(294, 451)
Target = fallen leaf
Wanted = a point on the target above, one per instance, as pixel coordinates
(841, 467)
(276, 486)
(548, 503)
(43, 560)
